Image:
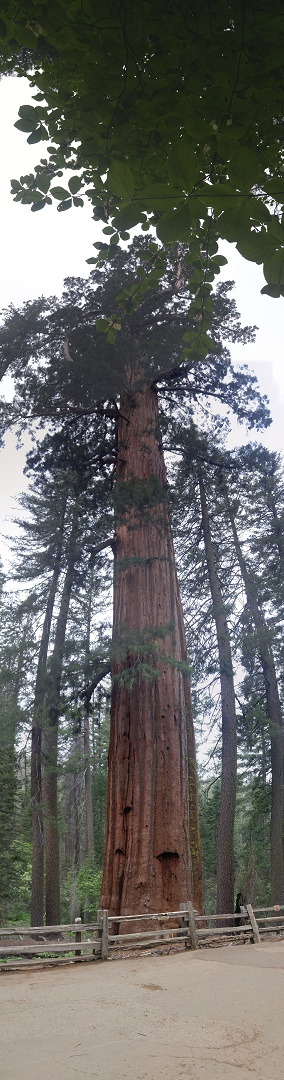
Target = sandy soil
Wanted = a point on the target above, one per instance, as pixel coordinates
(213, 1015)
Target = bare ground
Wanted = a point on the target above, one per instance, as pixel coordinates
(211, 1015)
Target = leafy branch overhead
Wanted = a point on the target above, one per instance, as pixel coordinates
(169, 115)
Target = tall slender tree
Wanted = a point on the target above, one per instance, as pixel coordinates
(225, 846)
(50, 749)
(37, 903)
(274, 712)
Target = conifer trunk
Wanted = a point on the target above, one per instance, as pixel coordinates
(225, 844)
(51, 739)
(275, 718)
(147, 864)
(89, 822)
(37, 899)
(276, 522)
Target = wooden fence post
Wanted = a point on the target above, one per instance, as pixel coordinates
(192, 927)
(78, 936)
(253, 923)
(188, 921)
(103, 925)
(184, 924)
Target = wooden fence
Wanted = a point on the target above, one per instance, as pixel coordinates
(29, 947)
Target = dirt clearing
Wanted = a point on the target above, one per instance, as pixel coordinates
(213, 1015)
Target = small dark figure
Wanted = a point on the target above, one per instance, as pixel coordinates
(240, 902)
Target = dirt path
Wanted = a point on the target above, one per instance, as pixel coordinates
(213, 1015)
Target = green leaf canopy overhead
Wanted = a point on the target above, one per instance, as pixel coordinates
(169, 112)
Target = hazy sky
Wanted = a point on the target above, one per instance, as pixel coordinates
(40, 250)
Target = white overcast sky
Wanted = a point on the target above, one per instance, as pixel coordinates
(40, 250)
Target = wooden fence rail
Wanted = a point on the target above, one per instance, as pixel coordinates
(31, 946)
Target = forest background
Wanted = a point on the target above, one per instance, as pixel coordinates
(80, 868)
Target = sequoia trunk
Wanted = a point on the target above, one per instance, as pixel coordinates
(147, 865)
(225, 846)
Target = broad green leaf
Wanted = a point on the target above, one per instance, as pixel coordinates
(74, 184)
(127, 217)
(184, 165)
(218, 260)
(111, 336)
(276, 230)
(251, 247)
(43, 183)
(77, 201)
(39, 135)
(25, 37)
(102, 325)
(175, 225)
(219, 196)
(273, 290)
(191, 337)
(274, 188)
(227, 141)
(159, 197)
(121, 180)
(211, 345)
(65, 205)
(59, 193)
(273, 269)
(26, 125)
(28, 179)
(234, 223)
(197, 127)
(205, 345)
(28, 112)
(29, 197)
(38, 205)
(258, 211)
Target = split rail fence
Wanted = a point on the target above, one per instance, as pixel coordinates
(29, 947)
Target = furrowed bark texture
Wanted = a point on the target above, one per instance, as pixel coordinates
(37, 900)
(275, 718)
(225, 845)
(147, 865)
(52, 883)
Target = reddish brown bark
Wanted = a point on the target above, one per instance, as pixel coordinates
(147, 865)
